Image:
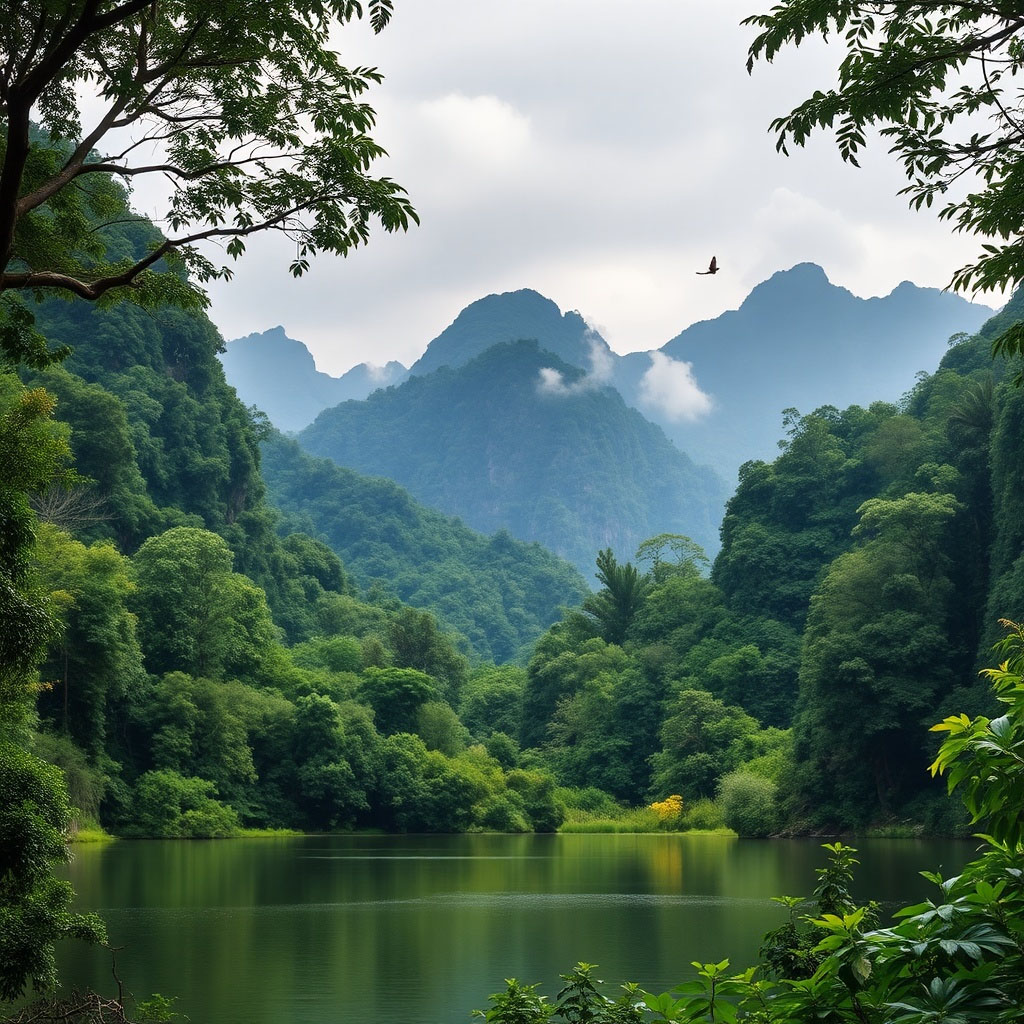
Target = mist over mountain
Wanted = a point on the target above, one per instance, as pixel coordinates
(717, 389)
(277, 374)
(517, 439)
(796, 341)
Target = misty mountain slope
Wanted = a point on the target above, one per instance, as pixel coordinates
(799, 341)
(278, 375)
(796, 341)
(568, 464)
(500, 593)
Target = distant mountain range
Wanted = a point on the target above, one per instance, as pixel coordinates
(278, 374)
(517, 416)
(796, 341)
(717, 389)
(517, 439)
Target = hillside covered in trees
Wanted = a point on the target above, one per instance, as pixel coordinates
(855, 596)
(566, 464)
(219, 666)
(497, 592)
(209, 666)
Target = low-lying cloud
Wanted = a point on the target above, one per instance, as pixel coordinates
(599, 373)
(670, 387)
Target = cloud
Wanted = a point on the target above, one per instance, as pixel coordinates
(602, 364)
(377, 373)
(670, 387)
(481, 130)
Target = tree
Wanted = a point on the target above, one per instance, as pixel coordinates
(689, 557)
(97, 666)
(254, 121)
(419, 644)
(702, 739)
(195, 614)
(34, 905)
(877, 660)
(937, 82)
(622, 596)
(396, 696)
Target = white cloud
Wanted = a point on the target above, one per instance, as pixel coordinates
(483, 130)
(670, 387)
(376, 373)
(598, 158)
(553, 382)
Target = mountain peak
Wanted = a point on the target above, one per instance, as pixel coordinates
(270, 344)
(509, 316)
(798, 284)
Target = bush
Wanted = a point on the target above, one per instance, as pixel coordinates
(703, 814)
(589, 798)
(170, 806)
(748, 804)
(669, 812)
(537, 791)
(501, 812)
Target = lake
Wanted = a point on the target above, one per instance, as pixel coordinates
(420, 929)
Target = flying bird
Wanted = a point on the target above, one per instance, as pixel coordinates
(712, 267)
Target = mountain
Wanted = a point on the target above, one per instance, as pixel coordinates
(517, 439)
(278, 375)
(796, 341)
(513, 316)
(500, 593)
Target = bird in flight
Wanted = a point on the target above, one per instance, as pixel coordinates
(712, 267)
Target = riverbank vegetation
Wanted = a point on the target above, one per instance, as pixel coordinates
(958, 956)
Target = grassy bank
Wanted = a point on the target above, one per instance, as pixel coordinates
(266, 833)
(91, 834)
(703, 816)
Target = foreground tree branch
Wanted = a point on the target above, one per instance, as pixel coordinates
(940, 82)
(241, 104)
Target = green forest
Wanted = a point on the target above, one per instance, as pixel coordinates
(206, 633)
(215, 657)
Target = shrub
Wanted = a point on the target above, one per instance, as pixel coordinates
(703, 814)
(669, 811)
(748, 804)
(170, 806)
(501, 812)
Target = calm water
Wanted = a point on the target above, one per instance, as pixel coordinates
(418, 930)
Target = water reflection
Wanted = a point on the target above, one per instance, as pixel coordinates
(419, 930)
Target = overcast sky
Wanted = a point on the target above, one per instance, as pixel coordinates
(600, 153)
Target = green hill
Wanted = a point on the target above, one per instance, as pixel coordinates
(500, 593)
(554, 459)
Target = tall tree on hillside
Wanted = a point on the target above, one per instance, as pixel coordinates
(254, 120)
(876, 663)
(621, 597)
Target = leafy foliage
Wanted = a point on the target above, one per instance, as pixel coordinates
(34, 905)
(253, 118)
(957, 957)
